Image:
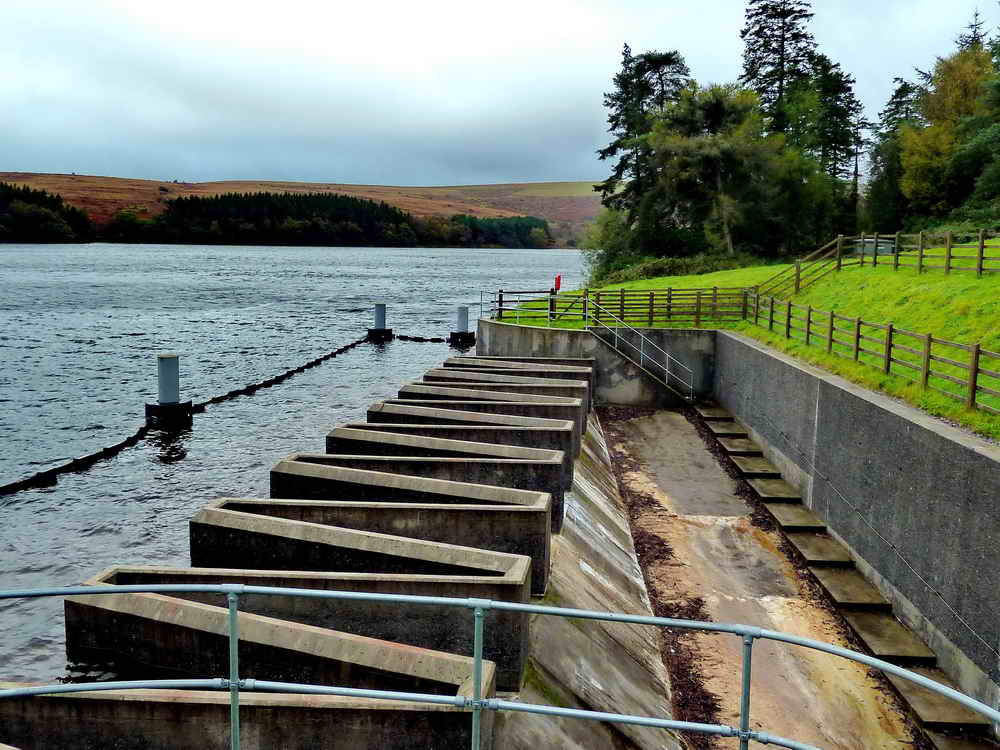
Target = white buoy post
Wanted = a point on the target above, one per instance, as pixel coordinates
(380, 334)
(168, 376)
(462, 336)
(168, 413)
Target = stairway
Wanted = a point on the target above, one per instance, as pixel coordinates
(947, 725)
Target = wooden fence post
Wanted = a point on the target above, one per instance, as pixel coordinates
(599, 307)
(857, 339)
(888, 349)
(697, 309)
(500, 305)
(925, 368)
(651, 309)
(552, 304)
(948, 239)
(715, 303)
(586, 307)
(895, 255)
(970, 399)
(798, 274)
(809, 315)
(770, 315)
(875, 253)
(840, 251)
(895, 244)
(829, 334)
(980, 254)
(788, 319)
(920, 253)
(863, 249)
(621, 304)
(745, 304)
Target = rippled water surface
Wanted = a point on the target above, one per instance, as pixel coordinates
(80, 326)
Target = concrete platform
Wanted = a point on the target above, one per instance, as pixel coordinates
(740, 447)
(147, 632)
(792, 517)
(304, 475)
(454, 374)
(361, 440)
(775, 491)
(756, 467)
(188, 719)
(512, 529)
(889, 639)
(447, 629)
(541, 409)
(734, 429)
(820, 550)
(525, 368)
(935, 711)
(542, 438)
(577, 389)
(850, 590)
(713, 413)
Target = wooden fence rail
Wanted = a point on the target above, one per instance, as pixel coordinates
(963, 372)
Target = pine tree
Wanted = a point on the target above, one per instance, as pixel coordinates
(837, 117)
(778, 52)
(973, 36)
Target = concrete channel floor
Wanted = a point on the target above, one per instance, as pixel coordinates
(741, 573)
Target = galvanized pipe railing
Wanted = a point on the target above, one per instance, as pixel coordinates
(477, 703)
(645, 343)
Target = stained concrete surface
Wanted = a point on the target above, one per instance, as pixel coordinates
(743, 576)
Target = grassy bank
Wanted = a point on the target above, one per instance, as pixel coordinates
(958, 307)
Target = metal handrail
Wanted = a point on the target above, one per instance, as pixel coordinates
(644, 342)
(477, 703)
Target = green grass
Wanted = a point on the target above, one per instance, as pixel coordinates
(958, 307)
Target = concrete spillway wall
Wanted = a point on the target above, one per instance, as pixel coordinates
(913, 498)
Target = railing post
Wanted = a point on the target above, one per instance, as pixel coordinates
(857, 338)
(948, 239)
(670, 303)
(798, 274)
(809, 315)
(477, 674)
(788, 319)
(586, 308)
(233, 600)
(599, 308)
(840, 251)
(715, 303)
(770, 314)
(746, 305)
(895, 255)
(829, 334)
(888, 348)
(651, 300)
(621, 304)
(895, 244)
(925, 369)
(863, 248)
(697, 309)
(875, 252)
(970, 399)
(981, 253)
(745, 694)
(756, 307)
(920, 253)
(500, 305)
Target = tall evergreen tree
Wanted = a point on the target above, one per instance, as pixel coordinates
(643, 87)
(973, 35)
(837, 118)
(888, 208)
(778, 52)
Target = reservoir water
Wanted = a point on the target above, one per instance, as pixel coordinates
(80, 326)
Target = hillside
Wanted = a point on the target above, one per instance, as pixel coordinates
(566, 205)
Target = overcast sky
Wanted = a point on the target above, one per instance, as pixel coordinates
(372, 91)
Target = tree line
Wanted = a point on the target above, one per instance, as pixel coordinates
(28, 215)
(772, 164)
(320, 219)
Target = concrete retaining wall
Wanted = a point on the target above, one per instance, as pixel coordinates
(913, 498)
(617, 381)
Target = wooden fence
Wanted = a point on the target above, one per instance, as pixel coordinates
(963, 372)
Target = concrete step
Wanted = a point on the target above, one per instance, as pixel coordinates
(935, 711)
(943, 741)
(713, 413)
(792, 518)
(820, 550)
(850, 590)
(740, 447)
(733, 429)
(775, 491)
(757, 467)
(888, 639)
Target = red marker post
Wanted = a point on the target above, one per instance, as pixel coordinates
(558, 282)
